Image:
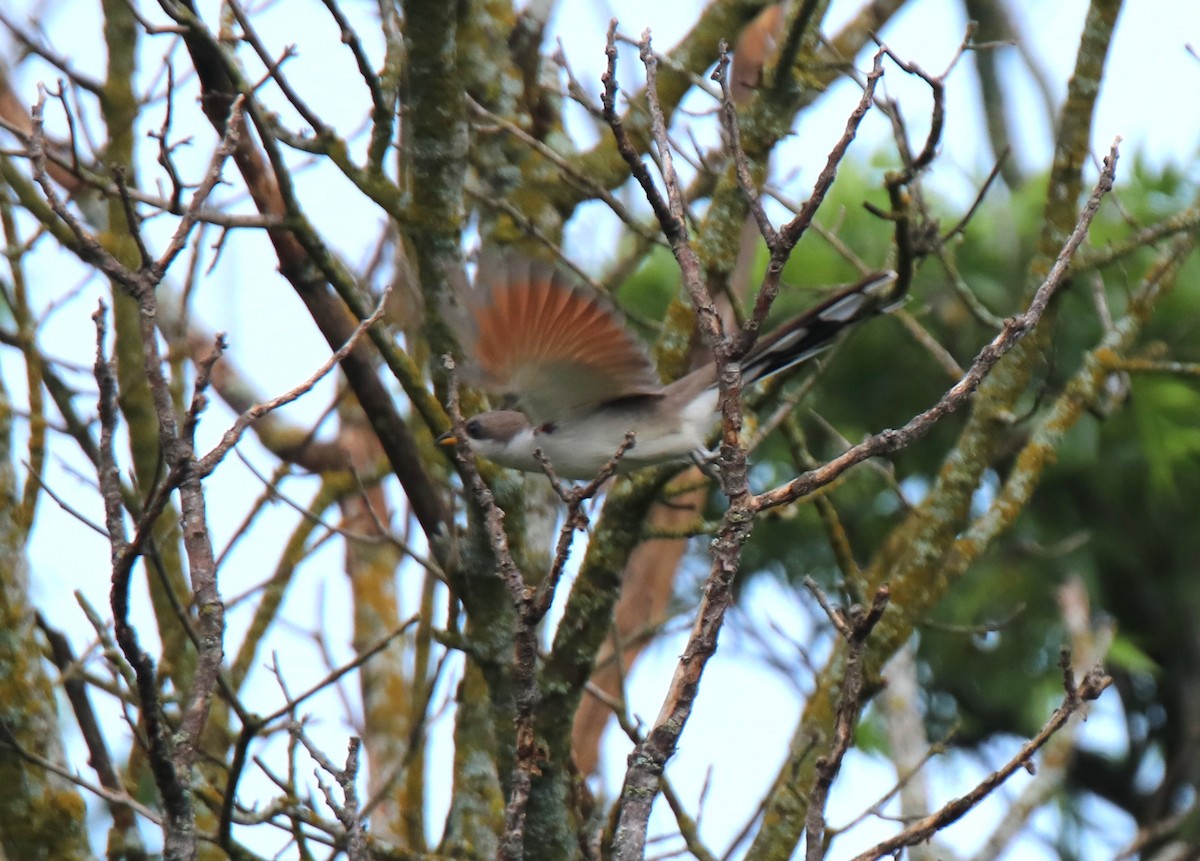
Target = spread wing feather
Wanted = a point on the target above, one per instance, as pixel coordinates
(553, 345)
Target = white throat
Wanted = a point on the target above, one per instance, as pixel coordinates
(578, 447)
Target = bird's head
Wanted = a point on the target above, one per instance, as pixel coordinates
(500, 435)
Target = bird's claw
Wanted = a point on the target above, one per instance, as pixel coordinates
(706, 461)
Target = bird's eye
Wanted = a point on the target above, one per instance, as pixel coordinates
(474, 429)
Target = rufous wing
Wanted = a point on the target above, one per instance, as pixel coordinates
(553, 345)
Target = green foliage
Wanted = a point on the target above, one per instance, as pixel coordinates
(1126, 655)
(1116, 508)
(1165, 412)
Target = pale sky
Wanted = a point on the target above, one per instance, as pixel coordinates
(1149, 70)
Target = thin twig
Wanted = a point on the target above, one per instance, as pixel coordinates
(855, 626)
(1076, 699)
(1015, 329)
(525, 651)
(230, 438)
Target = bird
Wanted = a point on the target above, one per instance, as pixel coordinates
(574, 380)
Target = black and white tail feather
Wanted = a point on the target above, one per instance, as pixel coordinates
(578, 381)
(817, 329)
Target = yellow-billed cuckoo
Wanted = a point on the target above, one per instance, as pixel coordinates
(577, 380)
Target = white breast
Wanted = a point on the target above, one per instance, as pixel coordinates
(579, 447)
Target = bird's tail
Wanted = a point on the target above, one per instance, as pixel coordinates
(816, 329)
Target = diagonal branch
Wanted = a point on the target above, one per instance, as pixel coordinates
(1015, 328)
(1075, 700)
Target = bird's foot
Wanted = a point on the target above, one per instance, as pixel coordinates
(706, 461)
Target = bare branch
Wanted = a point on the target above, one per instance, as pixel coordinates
(1076, 699)
(230, 438)
(1014, 330)
(855, 626)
